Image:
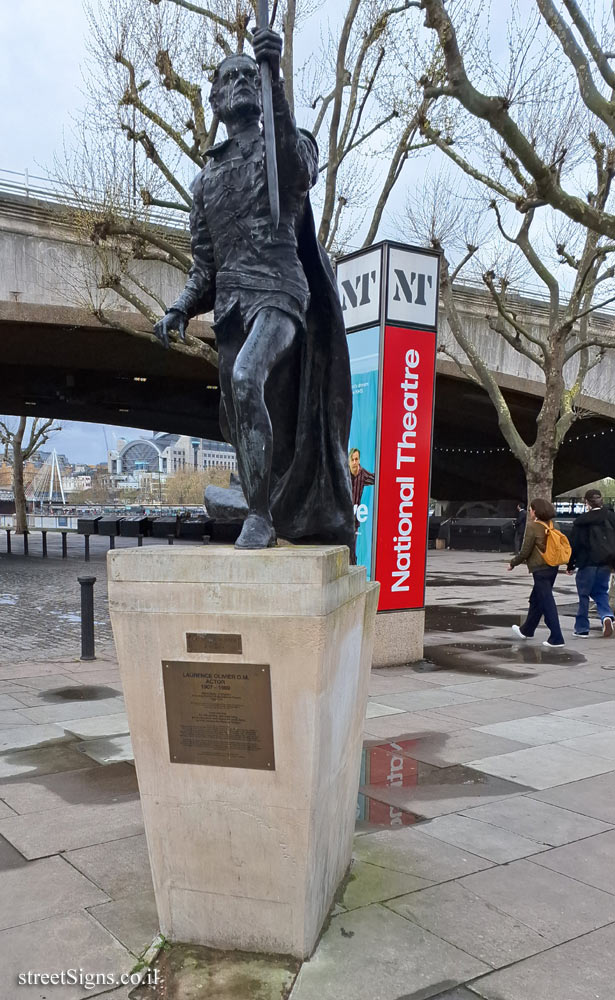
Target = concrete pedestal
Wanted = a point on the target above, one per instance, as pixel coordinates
(248, 858)
(398, 637)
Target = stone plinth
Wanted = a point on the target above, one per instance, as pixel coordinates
(248, 858)
(399, 637)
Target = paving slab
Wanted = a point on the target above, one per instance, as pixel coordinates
(456, 914)
(579, 970)
(486, 841)
(29, 736)
(374, 954)
(110, 750)
(5, 810)
(97, 726)
(45, 888)
(602, 686)
(414, 853)
(47, 682)
(416, 701)
(601, 714)
(414, 724)
(8, 702)
(593, 797)
(599, 745)
(553, 905)
(440, 790)
(9, 857)
(119, 867)
(43, 760)
(591, 861)
(74, 710)
(376, 711)
(460, 747)
(72, 826)
(93, 785)
(557, 698)
(497, 687)
(540, 729)
(543, 766)
(74, 941)
(539, 821)
(392, 681)
(372, 884)
(133, 920)
(11, 718)
(482, 713)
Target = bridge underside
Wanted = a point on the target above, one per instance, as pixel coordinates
(62, 363)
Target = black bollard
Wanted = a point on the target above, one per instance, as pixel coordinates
(170, 539)
(25, 543)
(139, 540)
(8, 541)
(64, 545)
(87, 617)
(111, 541)
(86, 542)
(44, 534)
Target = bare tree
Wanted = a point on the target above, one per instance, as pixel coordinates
(148, 127)
(538, 173)
(562, 341)
(12, 439)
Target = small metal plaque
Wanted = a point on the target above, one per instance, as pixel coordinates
(219, 714)
(213, 642)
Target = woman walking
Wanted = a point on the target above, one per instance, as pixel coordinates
(542, 602)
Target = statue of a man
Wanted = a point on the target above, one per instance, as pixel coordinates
(284, 369)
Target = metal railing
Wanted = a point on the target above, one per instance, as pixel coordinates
(25, 184)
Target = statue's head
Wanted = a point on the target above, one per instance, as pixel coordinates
(235, 90)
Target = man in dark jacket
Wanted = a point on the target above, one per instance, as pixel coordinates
(593, 557)
(520, 522)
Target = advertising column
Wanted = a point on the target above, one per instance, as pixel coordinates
(389, 296)
(406, 423)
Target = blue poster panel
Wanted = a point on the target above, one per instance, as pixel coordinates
(364, 346)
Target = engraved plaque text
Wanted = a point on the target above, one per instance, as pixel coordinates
(219, 714)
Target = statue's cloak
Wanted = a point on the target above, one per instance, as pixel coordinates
(311, 498)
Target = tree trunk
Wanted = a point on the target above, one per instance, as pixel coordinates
(21, 518)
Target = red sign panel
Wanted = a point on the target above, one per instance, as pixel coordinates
(405, 462)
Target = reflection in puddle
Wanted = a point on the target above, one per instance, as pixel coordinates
(397, 790)
(453, 581)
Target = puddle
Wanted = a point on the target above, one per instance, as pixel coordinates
(80, 692)
(463, 618)
(478, 657)
(397, 790)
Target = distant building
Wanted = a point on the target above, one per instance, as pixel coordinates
(168, 454)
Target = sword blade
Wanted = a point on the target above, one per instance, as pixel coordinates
(271, 161)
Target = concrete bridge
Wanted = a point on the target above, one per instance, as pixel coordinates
(57, 359)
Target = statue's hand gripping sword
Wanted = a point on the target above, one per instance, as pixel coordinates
(271, 162)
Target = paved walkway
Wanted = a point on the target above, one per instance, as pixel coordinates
(485, 849)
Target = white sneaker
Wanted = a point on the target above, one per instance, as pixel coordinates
(517, 631)
(553, 645)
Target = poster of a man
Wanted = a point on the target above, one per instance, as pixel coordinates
(359, 478)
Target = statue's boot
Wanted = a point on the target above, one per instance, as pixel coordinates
(257, 533)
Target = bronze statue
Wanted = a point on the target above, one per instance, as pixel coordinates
(284, 370)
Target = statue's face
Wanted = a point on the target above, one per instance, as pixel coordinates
(238, 89)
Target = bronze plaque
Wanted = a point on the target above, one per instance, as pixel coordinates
(213, 642)
(219, 714)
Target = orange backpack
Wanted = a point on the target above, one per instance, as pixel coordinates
(557, 551)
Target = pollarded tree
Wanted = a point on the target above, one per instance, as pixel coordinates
(357, 92)
(21, 447)
(581, 61)
(572, 262)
